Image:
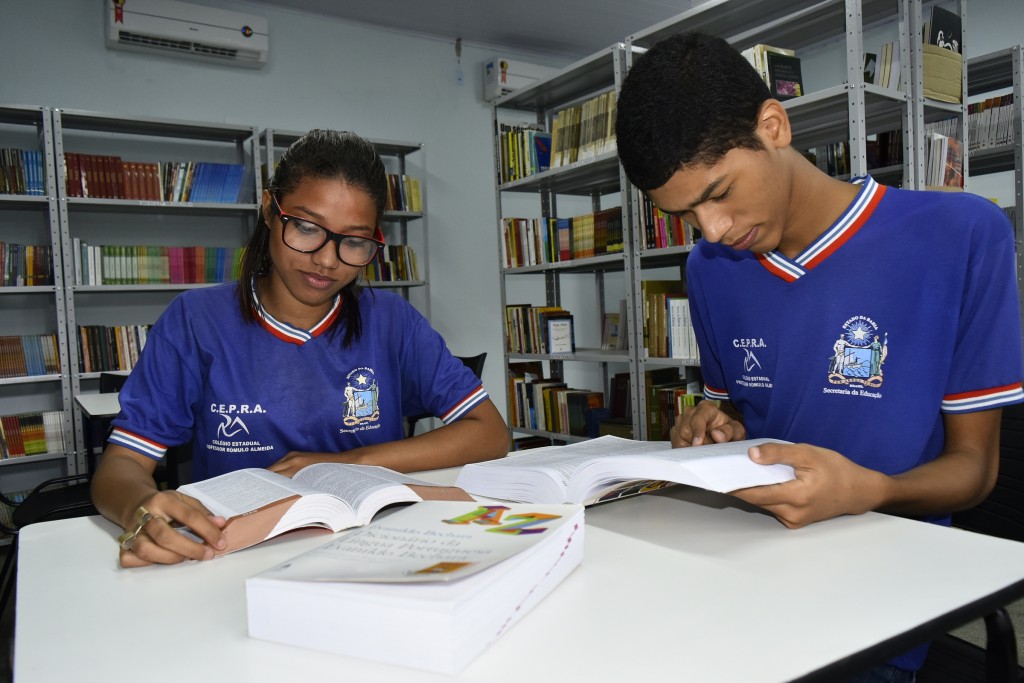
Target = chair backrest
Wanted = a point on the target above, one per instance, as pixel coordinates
(176, 469)
(111, 382)
(1001, 514)
(474, 363)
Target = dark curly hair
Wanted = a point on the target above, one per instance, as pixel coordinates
(688, 100)
(319, 154)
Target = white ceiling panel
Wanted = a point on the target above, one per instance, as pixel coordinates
(569, 28)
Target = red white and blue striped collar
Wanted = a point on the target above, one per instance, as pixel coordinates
(290, 333)
(845, 227)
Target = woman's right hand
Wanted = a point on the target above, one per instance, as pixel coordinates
(160, 542)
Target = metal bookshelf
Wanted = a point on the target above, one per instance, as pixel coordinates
(29, 310)
(1003, 70)
(105, 221)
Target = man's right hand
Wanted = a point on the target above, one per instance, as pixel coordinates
(706, 423)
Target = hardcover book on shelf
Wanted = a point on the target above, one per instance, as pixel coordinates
(946, 29)
(559, 335)
(260, 504)
(784, 77)
(758, 58)
(430, 586)
(588, 472)
(870, 67)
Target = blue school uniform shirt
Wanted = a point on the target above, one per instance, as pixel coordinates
(903, 310)
(249, 393)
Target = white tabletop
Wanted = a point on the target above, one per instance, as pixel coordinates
(678, 584)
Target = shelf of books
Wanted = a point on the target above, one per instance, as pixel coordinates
(996, 128)
(35, 391)
(563, 221)
(938, 77)
(148, 208)
(403, 263)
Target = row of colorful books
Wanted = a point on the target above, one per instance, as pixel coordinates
(668, 328)
(26, 265)
(551, 405)
(30, 355)
(990, 121)
(110, 177)
(536, 241)
(22, 172)
(661, 229)
(143, 265)
(394, 263)
(667, 395)
(944, 156)
(584, 131)
(403, 193)
(881, 150)
(883, 67)
(833, 159)
(35, 433)
(103, 348)
(539, 329)
(523, 151)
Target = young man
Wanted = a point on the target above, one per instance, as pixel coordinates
(877, 328)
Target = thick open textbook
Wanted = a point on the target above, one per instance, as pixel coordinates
(609, 467)
(260, 504)
(428, 586)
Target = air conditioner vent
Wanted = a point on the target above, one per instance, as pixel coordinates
(187, 30)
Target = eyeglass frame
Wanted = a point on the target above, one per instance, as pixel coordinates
(329, 236)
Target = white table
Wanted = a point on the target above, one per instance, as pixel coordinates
(676, 585)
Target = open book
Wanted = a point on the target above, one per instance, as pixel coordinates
(260, 504)
(610, 467)
(429, 586)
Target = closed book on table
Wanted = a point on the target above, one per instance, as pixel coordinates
(430, 586)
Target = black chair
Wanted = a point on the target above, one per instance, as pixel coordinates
(474, 363)
(952, 659)
(57, 498)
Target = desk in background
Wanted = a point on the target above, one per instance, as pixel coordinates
(96, 407)
(679, 585)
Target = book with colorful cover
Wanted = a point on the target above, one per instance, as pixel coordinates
(429, 586)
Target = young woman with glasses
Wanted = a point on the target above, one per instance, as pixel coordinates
(295, 363)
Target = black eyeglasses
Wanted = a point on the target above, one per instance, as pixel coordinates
(307, 237)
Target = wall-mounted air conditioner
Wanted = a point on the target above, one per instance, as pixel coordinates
(180, 28)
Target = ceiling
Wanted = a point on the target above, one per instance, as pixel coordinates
(577, 29)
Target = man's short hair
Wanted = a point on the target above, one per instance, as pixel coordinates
(688, 100)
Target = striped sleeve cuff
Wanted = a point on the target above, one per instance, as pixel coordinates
(148, 448)
(983, 399)
(715, 394)
(465, 405)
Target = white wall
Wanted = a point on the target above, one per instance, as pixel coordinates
(322, 72)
